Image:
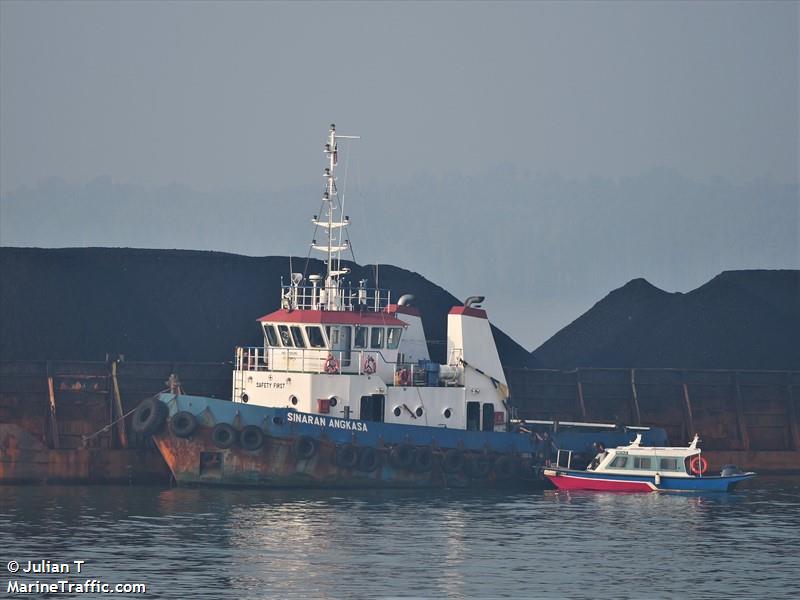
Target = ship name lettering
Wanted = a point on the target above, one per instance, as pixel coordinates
(294, 417)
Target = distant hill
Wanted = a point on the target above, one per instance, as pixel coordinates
(169, 305)
(738, 320)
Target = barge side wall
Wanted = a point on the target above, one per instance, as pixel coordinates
(56, 417)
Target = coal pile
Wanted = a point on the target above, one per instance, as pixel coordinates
(169, 305)
(738, 320)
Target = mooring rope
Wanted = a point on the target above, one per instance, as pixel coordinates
(86, 438)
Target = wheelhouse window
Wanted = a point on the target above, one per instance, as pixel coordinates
(393, 337)
(271, 335)
(376, 339)
(669, 464)
(360, 338)
(315, 337)
(297, 336)
(641, 462)
(619, 462)
(286, 337)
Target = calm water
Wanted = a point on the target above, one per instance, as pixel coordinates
(206, 543)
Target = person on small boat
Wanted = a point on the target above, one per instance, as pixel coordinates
(600, 452)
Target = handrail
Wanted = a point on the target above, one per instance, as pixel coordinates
(315, 360)
(310, 297)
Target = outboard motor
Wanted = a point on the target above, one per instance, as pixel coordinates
(730, 470)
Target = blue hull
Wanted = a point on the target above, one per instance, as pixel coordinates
(453, 457)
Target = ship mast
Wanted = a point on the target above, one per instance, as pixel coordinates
(333, 222)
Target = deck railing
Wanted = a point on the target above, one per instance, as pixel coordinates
(342, 297)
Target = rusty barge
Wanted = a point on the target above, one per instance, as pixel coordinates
(56, 417)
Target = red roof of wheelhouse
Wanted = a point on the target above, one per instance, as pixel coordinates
(332, 317)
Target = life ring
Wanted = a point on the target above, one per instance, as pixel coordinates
(149, 416)
(304, 447)
(698, 465)
(223, 435)
(404, 376)
(331, 365)
(370, 365)
(182, 424)
(251, 438)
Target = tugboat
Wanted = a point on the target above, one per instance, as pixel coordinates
(343, 393)
(637, 468)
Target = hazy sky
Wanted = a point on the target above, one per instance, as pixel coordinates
(232, 101)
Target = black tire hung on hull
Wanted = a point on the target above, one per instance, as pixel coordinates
(347, 456)
(370, 459)
(183, 424)
(149, 416)
(479, 466)
(251, 438)
(505, 467)
(304, 447)
(452, 461)
(402, 456)
(423, 459)
(223, 435)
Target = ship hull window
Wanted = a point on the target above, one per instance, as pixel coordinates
(393, 337)
(372, 408)
(473, 416)
(315, 337)
(286, 337)
(669, 464)
(271, 335)
(619, 462)
(376, 339)
(360, 337)
(488, 417)
(297, 336)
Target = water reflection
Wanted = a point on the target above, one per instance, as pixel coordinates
(209, 543)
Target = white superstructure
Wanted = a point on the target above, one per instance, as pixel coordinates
(349, 351)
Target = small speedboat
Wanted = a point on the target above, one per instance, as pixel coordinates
(637, 468)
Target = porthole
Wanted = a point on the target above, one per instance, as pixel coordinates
(447, 413)
(419, 411)
(293, 400)
(333, 401)
(245, 398)
(397, 411)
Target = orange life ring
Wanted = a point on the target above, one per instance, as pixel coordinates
(331, 365)
(370, 365)
(698, 465)
(405, 377)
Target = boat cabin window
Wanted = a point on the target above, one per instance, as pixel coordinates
(315, 338)
(333, 335)
(669, 464)
(641, 462)
(271, 335)
(376, 339)
(297, 336)
(619, 462)
(286, 337)
(393, 337)
(360, 338)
